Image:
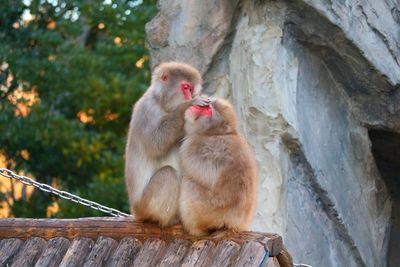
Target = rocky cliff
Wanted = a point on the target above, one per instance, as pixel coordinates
(316, 85)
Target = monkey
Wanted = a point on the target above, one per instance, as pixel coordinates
(219, 171)
(152, 173)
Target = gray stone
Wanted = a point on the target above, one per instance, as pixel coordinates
(180, 31)
(372, 25)
(315, 85)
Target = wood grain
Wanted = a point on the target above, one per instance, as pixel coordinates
(101, 252)
(271, 262)
(125, 253)
(199, 254)
(54, 253)
(77, 252)
(225, 253)
(251, 254)
(29, 252)
(150, 253)
(175, 253)
(118, 228)
(8, 248)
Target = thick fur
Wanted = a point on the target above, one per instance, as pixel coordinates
(152, 172)
(219, 173)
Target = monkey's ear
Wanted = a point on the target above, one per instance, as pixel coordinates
(164, 76)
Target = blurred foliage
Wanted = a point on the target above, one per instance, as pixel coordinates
(70, 72)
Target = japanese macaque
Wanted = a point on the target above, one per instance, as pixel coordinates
(156, 128)
(219, 173)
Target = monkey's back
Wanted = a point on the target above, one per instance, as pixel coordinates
(141, 160)
(225, 166)
(138, 166)
(229, 154)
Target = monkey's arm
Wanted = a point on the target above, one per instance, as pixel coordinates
(159, 133)
(160, 136)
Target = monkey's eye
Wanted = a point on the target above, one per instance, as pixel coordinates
(186, 86)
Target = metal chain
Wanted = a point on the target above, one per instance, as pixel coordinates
(74, 198)
(63, 194)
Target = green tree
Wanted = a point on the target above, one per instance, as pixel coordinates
(70, 72)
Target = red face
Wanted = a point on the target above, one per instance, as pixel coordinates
(187, 89)
(197, 111)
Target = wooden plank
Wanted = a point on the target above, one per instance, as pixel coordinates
(271, 262)
(30, 252)
(118, 228)
(54, 253)
(199, 254)
(273, 245)
(251, 254)
(276, 262)
(225, 253)
(125, 253)
(150, 254)
(8, 249)
(77, 252)
(175, 253)
(101, 252)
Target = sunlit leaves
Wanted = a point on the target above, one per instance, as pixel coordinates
(87, 64)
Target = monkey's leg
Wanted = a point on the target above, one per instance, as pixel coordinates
(159, 201)
(197, 213)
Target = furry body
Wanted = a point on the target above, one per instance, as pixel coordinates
(219, 173)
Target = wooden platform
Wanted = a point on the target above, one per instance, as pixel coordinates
(105, 241)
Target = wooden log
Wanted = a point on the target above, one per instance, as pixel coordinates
(225, 253)
(284, 258)
(251, 254)
(54, 253)
(77, 252)
(8, 249)
(125, 253)
(150, 253)
(174, 253)
(30, 252)
(118, 228)
(199, 254)
(101, 252)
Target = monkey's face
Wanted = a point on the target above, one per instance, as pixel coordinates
(176, 92)
(198, 118)
(216, 119)
(187, 89)
(180, 88)
(176, 83)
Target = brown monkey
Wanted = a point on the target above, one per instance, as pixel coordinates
(156, 128)
(219, 173)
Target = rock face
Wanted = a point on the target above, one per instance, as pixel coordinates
(316, 88)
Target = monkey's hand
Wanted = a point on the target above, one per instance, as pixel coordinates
(202, 100)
